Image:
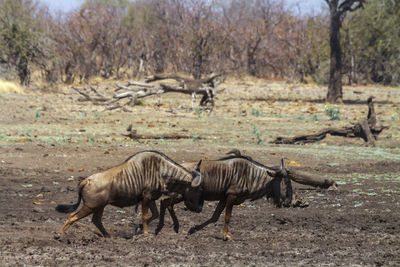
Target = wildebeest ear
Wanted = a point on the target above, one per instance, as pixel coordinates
(197, 179)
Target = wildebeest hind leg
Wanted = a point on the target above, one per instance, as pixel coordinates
(75, 216)
(96, 219)
(217, 213)
(154, 215)
(145, 210)
(228, 213)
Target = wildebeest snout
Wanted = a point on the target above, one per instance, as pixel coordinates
(194, 200)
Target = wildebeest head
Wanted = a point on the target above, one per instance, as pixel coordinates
(281, 190)
(193, 195)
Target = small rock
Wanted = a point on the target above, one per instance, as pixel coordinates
(56, 236)
(44, 189)
(38, 210)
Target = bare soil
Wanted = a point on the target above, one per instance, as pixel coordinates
(49, 142)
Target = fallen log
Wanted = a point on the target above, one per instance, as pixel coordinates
(298, 176)
(135, 90)
(308, 178)
(365, 129)
(160, 136)
(194, 83)
(134, 135)
(204, 87)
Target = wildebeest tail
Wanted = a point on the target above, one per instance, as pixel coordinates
(70, 208)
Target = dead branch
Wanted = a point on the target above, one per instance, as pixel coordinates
(87, 97)
(140, 84)
(204, 87)
(157, 77)
(187, 83)
(135, 90)
(96, 92)
(134, 135)
(365, 129)
(161, 136)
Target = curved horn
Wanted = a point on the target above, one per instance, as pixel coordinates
(278, 172)
(282, 169)
(198, 165)
(235, 152)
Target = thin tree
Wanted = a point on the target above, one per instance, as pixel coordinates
(338, 10)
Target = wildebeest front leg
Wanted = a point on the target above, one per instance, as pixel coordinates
(96, 219)
(168, 203)
(217, 213)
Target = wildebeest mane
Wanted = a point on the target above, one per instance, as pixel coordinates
(157, 152)
(250, 160)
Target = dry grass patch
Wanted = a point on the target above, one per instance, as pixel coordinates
(10, 87)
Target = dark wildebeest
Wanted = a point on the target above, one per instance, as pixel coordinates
(231, 181)
(143, 177)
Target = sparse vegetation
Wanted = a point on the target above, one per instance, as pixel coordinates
(257, 113)
(257, 133)
(333, 112)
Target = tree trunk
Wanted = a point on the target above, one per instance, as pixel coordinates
(23, 71)
(337, 11)
(335, 93)
(251, 63)
(251, 57)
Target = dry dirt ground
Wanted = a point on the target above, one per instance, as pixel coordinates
(48, 142)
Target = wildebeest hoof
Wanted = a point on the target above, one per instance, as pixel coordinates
(157, 231)
(227, 237)
(192, 230)
(139, 229)
(107, 235)
(176, 228)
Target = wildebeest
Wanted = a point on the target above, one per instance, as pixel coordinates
(232, 180)
(143, 177)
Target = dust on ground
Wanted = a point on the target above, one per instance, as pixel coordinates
(49, 142)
